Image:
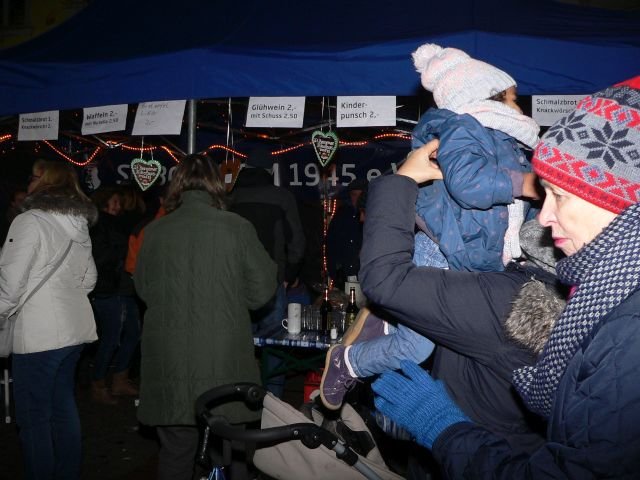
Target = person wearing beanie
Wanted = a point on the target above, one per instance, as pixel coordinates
(474, 213)
(584, 381)
(469, 221)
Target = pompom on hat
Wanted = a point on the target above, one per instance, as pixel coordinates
(594, 152)
(456, 79)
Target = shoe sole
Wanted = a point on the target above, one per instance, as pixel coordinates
(327, 360)
(353, 332)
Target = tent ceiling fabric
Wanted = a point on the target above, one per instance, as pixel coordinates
(118, 51)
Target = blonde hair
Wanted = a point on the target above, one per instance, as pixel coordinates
(57, 177)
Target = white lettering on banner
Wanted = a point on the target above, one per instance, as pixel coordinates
(308, 177)
(111, 118)
(548, 109)
(38, 126)
(311, 176)
(361, 111)
(275, 112)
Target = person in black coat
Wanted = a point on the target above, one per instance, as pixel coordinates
(114, 302)
(464, 313)
(273, 212)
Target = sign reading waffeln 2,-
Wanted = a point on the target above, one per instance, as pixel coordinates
(275, 112)
(548, 109)
(159, 118)
(38, 126)
(361, 111)
(109, 118)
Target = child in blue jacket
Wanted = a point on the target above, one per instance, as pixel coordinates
(469, 221)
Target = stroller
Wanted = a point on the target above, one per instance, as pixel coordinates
(292, 444)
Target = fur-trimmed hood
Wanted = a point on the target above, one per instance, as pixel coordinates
(62, 205)
(535, 310)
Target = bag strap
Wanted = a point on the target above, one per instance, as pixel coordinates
(45, 278)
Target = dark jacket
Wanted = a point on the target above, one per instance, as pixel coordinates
(344, 239)
(199, 272)
(462, 312)
(109, 241)
(273, 212)
(467, 211)
(594, 427)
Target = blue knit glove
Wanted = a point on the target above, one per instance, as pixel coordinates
(417, 402)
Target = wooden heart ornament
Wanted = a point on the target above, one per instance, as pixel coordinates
(146, 172)
(229, 170)
(325, 146)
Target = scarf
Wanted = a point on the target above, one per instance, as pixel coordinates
(607, 271)
(498, 116)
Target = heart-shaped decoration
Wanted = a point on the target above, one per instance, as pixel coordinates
(325, 146)
(229, 170)
(146, 172)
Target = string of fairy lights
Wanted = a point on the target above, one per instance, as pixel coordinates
(329, 205)
(175, 156)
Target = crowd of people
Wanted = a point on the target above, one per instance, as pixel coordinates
(500, 269)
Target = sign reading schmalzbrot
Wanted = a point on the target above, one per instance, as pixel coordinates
(366, 111)
(110, 118)
(275, 112)
(548, 109)
(39, 126)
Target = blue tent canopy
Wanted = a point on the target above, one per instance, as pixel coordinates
(119, 51)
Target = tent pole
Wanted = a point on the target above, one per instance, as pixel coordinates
(191, 127)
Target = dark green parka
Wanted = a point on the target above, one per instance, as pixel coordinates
(199, 272)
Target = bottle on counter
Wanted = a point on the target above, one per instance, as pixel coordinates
(333, 331)
(352, 309)
(325, 312)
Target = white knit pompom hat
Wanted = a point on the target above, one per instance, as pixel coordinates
(456, 79)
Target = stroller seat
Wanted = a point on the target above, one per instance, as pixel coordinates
(290, 446)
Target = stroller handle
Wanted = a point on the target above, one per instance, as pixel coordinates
(311, 435)
(250, 393)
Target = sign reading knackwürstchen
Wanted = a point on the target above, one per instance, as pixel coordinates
(548, 109)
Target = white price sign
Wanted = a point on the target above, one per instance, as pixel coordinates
(110, 118)
(366, 112)
(275, 112)
(548, 109)
(39, 126)
(159, 118)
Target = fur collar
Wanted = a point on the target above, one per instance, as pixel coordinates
(61, 204)
(535, 310)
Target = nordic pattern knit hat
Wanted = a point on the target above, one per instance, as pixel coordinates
(594, 152)
(456, 79)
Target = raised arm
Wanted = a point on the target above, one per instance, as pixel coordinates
(460, 310)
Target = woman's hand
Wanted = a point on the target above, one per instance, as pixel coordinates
(420, 165)
(417, 402)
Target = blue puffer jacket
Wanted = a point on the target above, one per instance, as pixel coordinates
(594, 427)
(467, 212)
